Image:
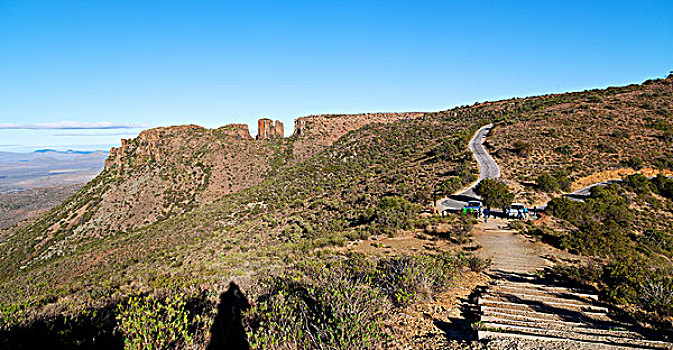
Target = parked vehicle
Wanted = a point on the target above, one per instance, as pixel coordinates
(517, 210)
(474, 207)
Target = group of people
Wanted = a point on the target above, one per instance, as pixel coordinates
(477, 213)
(521, 214)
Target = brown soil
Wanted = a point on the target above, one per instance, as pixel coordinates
(616, 174)
(511, 251)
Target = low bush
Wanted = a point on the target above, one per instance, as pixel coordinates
(494, 193)
(522, 148)
(341, 302)
(634, 267)
(552, 183)
(148, 322)
(394, 213)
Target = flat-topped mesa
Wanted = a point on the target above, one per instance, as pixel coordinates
(152, 144)
(268, 129)
(347, 122)
(239, 131)
(313, 133)
(146, 146)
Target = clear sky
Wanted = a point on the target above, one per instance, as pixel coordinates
(82, 74)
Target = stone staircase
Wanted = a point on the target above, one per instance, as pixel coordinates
(528, 308)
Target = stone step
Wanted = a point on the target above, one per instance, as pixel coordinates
(597, 318)
(510, 267)
(610, 340)
(540, 291)
(563, 326)
(559, 341)
(568, 307)
(543, 287)
(544, 298)
(602, 321)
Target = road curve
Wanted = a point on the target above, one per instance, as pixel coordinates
(488, 169)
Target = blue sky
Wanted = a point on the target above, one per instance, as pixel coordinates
(116, 67)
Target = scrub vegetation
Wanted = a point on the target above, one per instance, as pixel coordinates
(267, 264)
(626, 228)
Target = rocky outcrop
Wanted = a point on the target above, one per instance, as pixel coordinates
(268, 129)
(151, 144)
(147, 146)
(239, 131)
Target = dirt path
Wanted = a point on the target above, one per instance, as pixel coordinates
(511, 252)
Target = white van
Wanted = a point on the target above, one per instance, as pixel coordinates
(516, 209)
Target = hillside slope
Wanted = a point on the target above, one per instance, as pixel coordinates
(327, 199)
(209, 205)
(587, 133)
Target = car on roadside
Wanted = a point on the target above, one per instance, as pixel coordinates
(516, 210)
(474, 207)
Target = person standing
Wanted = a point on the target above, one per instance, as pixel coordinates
(487, 211)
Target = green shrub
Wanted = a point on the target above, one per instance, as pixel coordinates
(494, 193)
(546, 183)
(638, 183)
(341, 302)
(635, 163)
(522, 148)
(151, 323)
(450, 185)
(477, 264)
(394, 213)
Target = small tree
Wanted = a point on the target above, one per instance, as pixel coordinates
(522, 148)
(494, 193)
(546, 183)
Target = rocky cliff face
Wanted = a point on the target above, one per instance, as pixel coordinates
(165, 171)
(169, 170)
(268, 129)
(148, 146)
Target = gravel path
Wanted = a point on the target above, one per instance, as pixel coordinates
(510, 252)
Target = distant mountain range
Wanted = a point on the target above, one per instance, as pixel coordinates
(70, 151)
(48, 168)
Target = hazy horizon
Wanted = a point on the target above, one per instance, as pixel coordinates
(83, 75)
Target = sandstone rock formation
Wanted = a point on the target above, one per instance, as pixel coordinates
(168, 170)
(268, 129)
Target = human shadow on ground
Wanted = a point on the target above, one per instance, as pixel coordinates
(227, 331)
(460, 328)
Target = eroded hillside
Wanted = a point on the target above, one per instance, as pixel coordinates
(168, 171)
